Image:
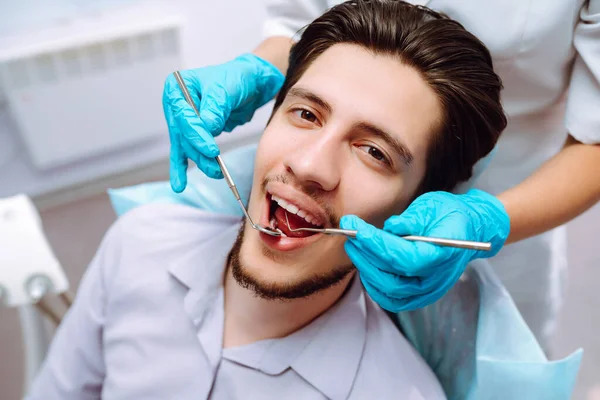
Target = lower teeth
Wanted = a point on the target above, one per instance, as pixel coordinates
(273, 225)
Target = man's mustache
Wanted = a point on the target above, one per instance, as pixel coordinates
(312, 192)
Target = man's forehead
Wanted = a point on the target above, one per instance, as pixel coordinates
(352, 74)
(374, 87)
(306, 93)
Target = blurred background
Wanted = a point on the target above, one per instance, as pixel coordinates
(80, 112)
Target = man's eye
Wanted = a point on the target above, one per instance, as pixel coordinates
(375, 153)
(306, 115)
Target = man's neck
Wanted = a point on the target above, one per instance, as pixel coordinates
(249, 318)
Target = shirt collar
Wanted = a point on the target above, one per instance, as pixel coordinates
(201, 269)
(331, 344)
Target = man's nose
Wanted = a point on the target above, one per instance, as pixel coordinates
(317, 160)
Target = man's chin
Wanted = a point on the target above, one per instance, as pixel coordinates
(287, 289)
(282, 283)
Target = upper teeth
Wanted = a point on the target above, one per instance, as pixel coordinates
(295, 210)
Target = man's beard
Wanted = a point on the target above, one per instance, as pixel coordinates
(277, 291)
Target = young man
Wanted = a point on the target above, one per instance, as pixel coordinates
(382, 101)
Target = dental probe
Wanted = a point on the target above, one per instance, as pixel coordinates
(462, 244)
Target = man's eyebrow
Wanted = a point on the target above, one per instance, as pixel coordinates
(396, 144)
(312, 97)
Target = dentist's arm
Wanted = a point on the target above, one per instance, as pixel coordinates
(569, 183)
(564, 187)
(276, 50)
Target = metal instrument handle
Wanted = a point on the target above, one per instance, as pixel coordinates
(462, 244)
(190, 101)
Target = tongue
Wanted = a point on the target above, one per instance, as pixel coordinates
(295, 223)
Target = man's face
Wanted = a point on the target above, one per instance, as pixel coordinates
(351, 137)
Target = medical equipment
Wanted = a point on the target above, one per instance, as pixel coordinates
(31, 269)
(228, 178)
(462, 244)
(29, 274)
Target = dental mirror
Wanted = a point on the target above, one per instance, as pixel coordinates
(264, 229)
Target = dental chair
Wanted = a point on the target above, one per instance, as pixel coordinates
(29, 275)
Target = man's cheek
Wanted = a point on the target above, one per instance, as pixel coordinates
(272, 143)
(337, 253)
(388, 203)
(343, 256)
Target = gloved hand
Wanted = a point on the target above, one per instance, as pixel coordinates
(226, 96)
(401, 275)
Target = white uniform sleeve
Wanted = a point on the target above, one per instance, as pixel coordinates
(74, 367)
(287, 17)
(583, 103)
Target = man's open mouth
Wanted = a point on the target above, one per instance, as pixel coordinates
(289, 218)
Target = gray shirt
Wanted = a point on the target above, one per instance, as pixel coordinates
(147, 323)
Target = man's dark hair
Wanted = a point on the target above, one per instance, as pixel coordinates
(455, 64)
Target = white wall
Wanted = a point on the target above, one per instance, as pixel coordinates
(214, 32)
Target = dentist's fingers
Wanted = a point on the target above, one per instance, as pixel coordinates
(193, 130)
(178, 162)
(397, 255)
(398, 287)
(208, 165)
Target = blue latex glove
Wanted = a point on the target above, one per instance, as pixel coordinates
(402, 275)
(226, 96)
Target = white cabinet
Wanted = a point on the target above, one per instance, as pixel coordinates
(92, 87)
(70, 123)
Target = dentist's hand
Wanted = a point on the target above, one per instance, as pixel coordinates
(226, 96)
(401, 275)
